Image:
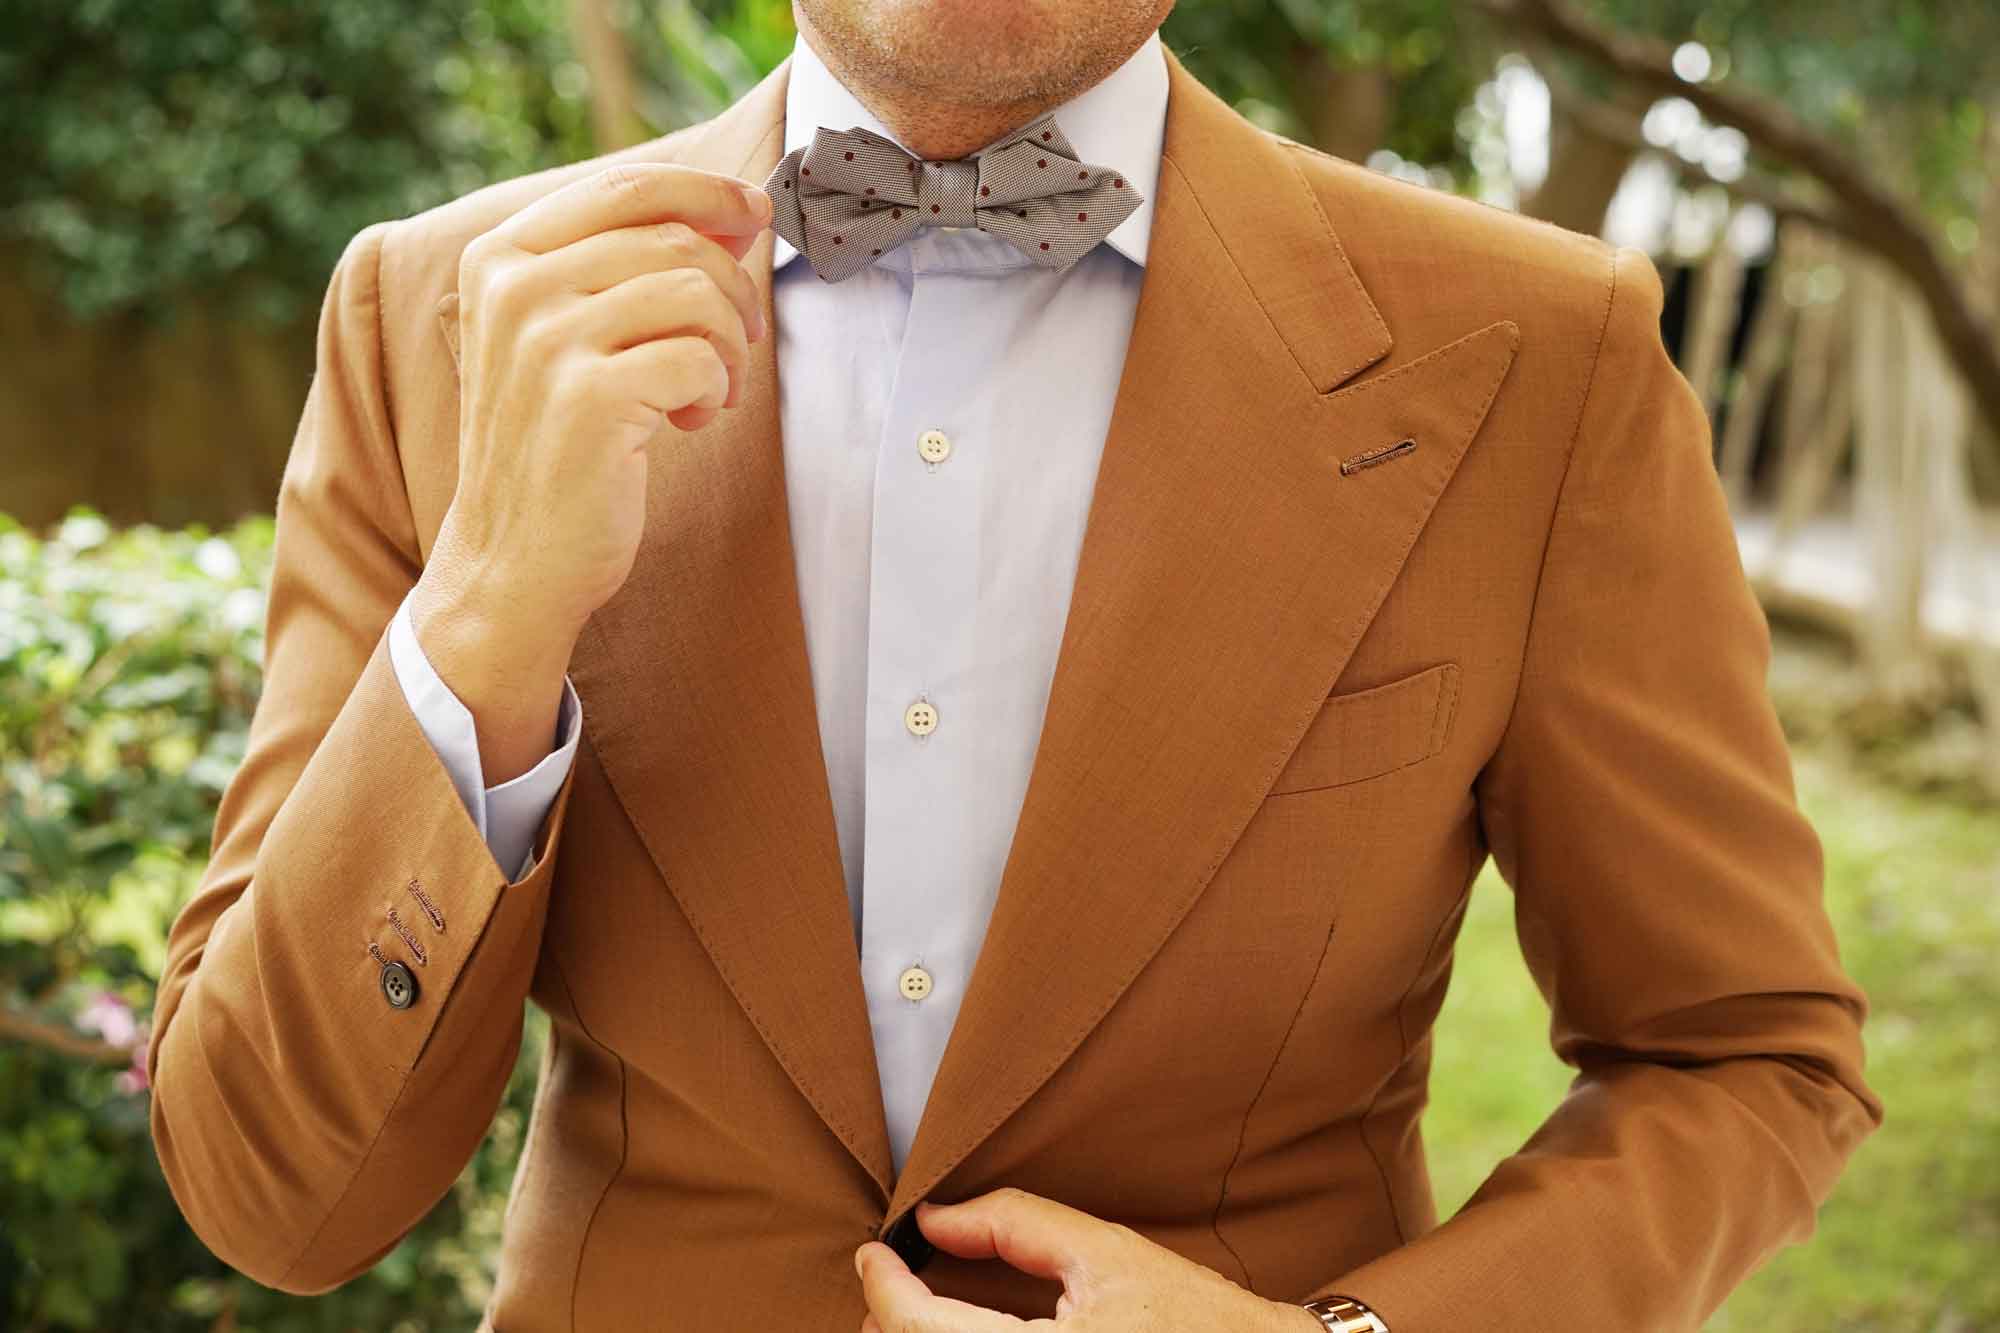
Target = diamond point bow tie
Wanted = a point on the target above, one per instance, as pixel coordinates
(852, 195)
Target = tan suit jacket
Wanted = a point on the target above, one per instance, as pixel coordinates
(1309, 680)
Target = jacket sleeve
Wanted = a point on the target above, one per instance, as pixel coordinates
(1667, 891)
(303, 1122)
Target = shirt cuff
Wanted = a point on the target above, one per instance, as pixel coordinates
(507, 816)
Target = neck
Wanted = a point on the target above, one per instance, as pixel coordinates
(934, 129)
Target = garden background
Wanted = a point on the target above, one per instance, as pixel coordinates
(1820, 183)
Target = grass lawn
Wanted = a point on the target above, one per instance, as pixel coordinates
(1910, 1240)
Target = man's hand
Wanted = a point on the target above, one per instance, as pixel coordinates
(1114, 1279)
(588, 320)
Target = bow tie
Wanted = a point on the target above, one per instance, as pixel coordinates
(851, 195)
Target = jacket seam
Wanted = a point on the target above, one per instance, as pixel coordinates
(624, 1133)
(1403, 1040)
(1243, 1126)
(390, 446)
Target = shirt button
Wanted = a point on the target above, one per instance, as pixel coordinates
(933, 446)
(921, 718)
(915, 983)
(399, 987)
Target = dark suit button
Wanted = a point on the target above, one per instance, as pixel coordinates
(908, 1241)
(398, 986)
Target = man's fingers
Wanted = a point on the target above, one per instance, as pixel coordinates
(598, 263)
(665, 375)
(899, 1300)
(634, 193)
(1027, 1231)
(665, 304)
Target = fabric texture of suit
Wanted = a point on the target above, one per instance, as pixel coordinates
(1406, 549)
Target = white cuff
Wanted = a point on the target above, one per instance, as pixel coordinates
(508, 815)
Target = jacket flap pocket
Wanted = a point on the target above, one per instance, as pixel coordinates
(1366, 733)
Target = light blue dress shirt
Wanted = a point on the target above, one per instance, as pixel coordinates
(943, 413)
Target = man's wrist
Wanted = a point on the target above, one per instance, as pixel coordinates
(1297, 1319)
(510, 678)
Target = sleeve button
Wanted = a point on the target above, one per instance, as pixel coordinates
(399, 987)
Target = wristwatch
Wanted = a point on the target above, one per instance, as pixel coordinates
(1343, 1314)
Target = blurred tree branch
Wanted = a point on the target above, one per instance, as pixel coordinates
(1616, 125)
(18, 1027)
(1870, 214)
(614, 106)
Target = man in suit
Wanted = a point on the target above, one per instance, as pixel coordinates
(987, 811)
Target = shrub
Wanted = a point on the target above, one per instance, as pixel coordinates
(129, 668)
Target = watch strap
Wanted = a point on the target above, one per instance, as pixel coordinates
(1344, 1314)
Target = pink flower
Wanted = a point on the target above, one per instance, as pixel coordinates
(110, 1017)
(133, 1079)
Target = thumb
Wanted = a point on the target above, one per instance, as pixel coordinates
(1027, 1231)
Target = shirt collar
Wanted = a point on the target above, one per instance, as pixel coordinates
(1118, 122)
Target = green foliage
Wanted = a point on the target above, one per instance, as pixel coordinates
(160, 148)
(129, 668)
(695, 59)
(1251, 52)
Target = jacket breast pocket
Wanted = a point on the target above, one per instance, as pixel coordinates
(1360, 734)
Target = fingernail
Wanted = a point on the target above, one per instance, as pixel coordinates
(760, 202)
(857, 1259)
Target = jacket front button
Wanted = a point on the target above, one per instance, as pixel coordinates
(399, 987)
(909, 1242)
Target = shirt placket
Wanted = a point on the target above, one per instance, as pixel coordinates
(925, 728)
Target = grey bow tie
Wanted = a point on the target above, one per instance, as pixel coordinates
(851, 195)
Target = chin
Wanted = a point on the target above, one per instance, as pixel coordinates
(941, 44)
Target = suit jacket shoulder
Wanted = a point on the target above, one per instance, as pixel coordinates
(421, 253)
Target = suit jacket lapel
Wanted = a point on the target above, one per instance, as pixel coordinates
(1228, 570)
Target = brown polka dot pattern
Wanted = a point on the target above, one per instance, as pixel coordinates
(824, 195)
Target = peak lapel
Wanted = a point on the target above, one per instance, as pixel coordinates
(697, 700)
(1228, 569)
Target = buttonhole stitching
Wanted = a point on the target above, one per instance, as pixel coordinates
(430, 908)
(1370, 457)
(416, 946)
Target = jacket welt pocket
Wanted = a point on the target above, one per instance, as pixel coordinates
(1363, 734)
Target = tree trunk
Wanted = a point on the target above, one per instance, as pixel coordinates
(1893, 490)
(1816, 415)
(1714, 306)
(1585, 169)
(614, 114)
(1983, 657)
(1764, 354)
(1346, 107)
